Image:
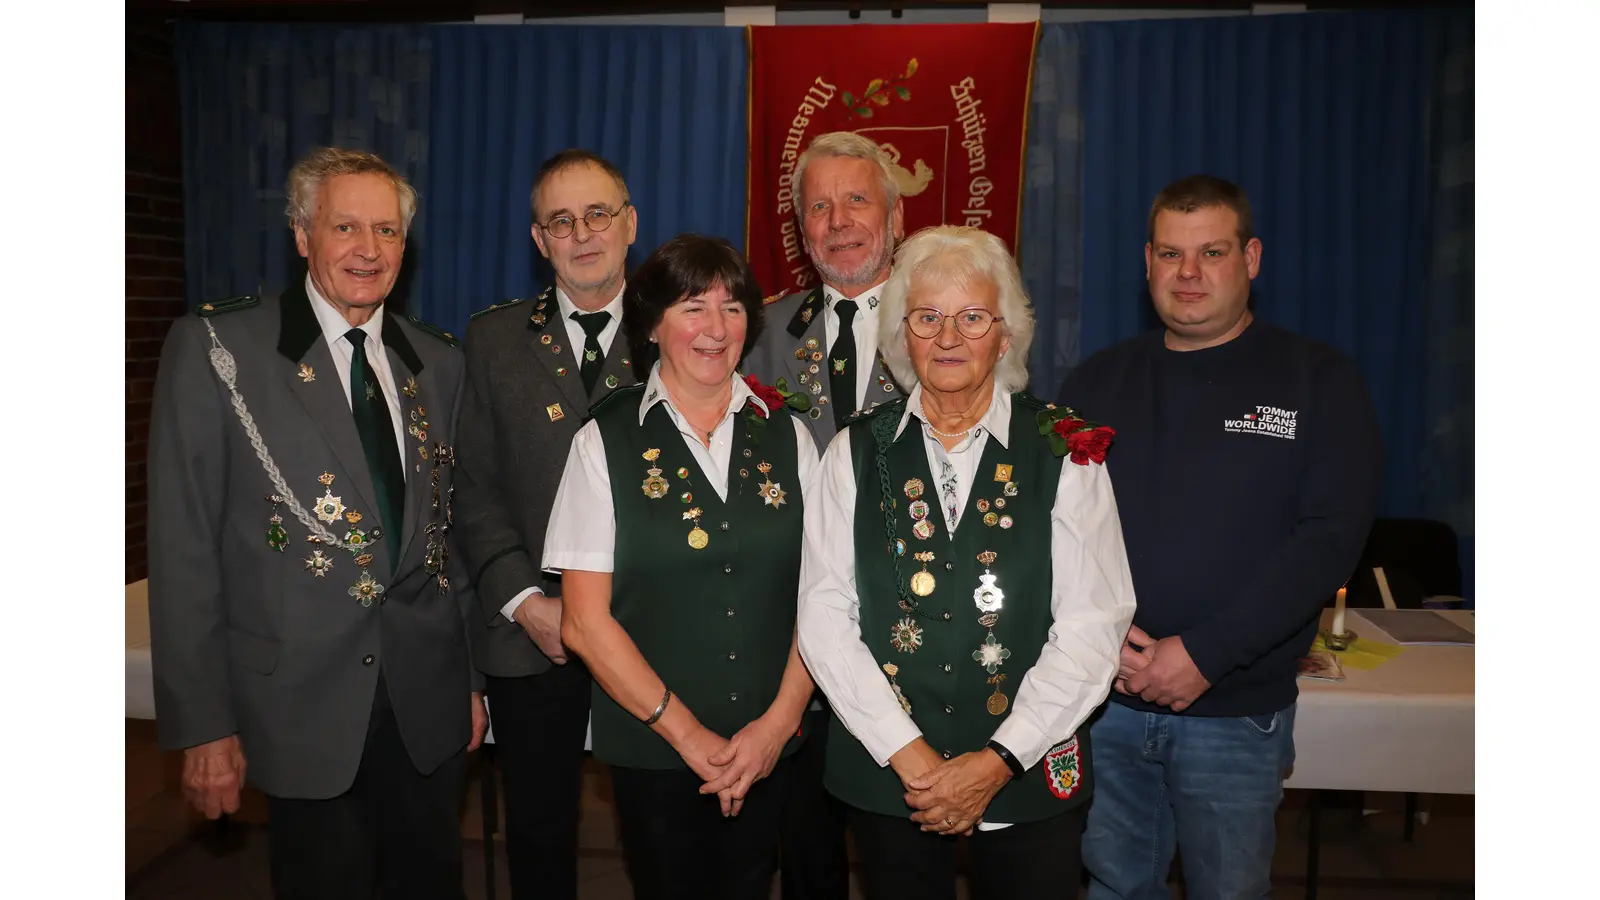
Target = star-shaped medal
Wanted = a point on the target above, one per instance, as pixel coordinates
(329, 507)
(772, 493)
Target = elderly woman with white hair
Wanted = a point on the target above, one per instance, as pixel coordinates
(964, 592)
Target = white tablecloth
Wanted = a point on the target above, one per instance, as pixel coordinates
(1404, 726)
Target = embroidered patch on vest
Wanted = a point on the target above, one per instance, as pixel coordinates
(1062, 770)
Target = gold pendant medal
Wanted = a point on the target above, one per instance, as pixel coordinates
(922, 583)
(698, 539)
(997, 701)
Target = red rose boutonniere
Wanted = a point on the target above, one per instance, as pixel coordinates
(1072, 436)
(765, 393)
(773, 398)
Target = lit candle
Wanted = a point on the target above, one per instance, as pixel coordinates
(1338, 612)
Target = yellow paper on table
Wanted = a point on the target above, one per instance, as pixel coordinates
(1362, 654)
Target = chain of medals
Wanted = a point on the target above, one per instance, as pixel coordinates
(330, 508)
(227, 370)
(906, 635)
(438, 556)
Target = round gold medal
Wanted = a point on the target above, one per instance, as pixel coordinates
(698, 539)
(997, 703)
(922, 584)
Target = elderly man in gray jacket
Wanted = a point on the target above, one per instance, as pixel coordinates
(308, 619)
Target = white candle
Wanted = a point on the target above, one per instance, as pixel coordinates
(1338, 613)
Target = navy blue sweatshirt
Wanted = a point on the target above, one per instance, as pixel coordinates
(1246, 478)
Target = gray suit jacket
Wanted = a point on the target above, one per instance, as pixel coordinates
(248, 640)
(791, 323)
(524, 403)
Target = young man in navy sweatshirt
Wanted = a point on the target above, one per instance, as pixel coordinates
(1246, 465)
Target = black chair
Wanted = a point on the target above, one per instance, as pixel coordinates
(1420, 558)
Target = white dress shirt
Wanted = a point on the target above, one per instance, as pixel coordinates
(583, 526)
(334, 328)
(1091, 596)
(865, 325)
(575, 341)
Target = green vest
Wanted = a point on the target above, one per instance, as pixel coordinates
(950, 691)
(716, 623)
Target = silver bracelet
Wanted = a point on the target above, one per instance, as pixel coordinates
(656, 716)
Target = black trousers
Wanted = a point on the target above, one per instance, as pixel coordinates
(394, 829)
(539, 723)
(1032, 861)
(814, 864)
(680, 847)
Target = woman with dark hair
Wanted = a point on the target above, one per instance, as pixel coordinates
(676, 532)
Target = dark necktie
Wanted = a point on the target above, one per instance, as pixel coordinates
(842, 364)
(376, 429)
(593, 357)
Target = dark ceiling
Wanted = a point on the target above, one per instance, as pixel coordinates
(465, 10)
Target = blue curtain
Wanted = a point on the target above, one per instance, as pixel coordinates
(1447, 393)
(255, 98)
(1047, 248)
(666, 104)
(1330, 122)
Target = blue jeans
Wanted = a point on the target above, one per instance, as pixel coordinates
(1209, 785)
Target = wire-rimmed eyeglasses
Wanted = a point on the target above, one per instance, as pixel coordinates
(598, 219)
(973, 322)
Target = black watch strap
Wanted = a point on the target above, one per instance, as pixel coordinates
(1012, 763)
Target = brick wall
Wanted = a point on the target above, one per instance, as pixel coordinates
(154, 245)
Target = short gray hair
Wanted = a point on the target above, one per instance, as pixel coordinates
(307, 176)
(956, 255)
(843, 144)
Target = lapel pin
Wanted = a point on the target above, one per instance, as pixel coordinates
(307, 374)
(554, 412)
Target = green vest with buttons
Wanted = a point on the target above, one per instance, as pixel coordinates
(950, 690)
(715, 623)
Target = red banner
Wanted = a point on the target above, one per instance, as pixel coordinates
(948, 103)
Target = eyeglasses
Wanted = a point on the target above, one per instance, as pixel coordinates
(973, 322)
(598, 219)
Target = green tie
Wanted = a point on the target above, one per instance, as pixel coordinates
(842, 358)
(371, 410)
(591, 357)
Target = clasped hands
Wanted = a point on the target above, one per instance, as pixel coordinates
(731, 766)
(1159, 672)
(949, 796)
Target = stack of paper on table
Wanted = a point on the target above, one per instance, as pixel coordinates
(1415, 627)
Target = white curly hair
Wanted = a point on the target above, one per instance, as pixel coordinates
(955, 255)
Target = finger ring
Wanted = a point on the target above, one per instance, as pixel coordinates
(949, 822)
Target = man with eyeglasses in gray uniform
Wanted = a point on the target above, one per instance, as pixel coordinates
(534, 367)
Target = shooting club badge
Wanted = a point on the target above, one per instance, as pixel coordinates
(1063, 769)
